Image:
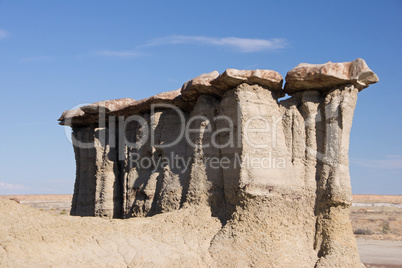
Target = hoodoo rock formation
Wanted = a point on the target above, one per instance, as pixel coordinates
(274, 172)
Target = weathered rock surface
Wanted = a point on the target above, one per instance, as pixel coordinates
(216, 85)
(109, 106)
(325, 76)
(143, 106)
(275, 173)
(90, 113)
(232, 78)
(199, 85)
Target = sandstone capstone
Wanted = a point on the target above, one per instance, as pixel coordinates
(217, 84)
(325, 76)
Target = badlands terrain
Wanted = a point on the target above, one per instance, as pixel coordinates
(37, 231)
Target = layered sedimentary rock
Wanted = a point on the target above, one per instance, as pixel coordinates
(275, 172)
(325, 76)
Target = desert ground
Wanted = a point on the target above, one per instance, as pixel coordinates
(377, 224)
(377, 217)
(376, 220)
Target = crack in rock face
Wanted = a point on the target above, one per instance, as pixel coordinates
(274, 172)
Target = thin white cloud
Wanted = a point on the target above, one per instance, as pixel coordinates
(242, 44)
(3, 34)
(390, 162)
(120, 54)
(38, 58)
(9, 186)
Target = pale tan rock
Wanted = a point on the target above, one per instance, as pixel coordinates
(89, 114)
(173, 97)
(232, 78)
(69, 115)
(184, 98)
(291, 209)
(108, 106)
(329, 75)
(216, 85)
(199, 85)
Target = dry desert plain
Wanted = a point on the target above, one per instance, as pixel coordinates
(376, 220)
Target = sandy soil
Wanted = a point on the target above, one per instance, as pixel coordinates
(40, 197)
(33, 238)
(57, 204)
(378, 228)
(380, 253)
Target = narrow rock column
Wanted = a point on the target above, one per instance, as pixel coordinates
(205, 183)
(334, 236)
(327, 95)
(274, 210)
(83, 203)
(97, 188)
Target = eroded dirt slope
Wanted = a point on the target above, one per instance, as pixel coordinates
(33, 238)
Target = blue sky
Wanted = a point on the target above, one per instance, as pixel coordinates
(58, 54)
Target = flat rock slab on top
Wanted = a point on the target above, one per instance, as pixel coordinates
(303, 77)
(109, 105)
(143, 106)
(199, 85)
(88, 114)
(324, 76)
(215, 84)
